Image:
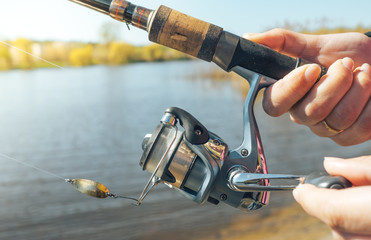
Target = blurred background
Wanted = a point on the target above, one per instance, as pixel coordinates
(88, 120)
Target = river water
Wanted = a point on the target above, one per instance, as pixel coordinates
(89, 123)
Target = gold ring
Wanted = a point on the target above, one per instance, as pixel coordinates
(333, 130)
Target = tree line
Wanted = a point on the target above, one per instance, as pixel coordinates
(79, 54)
(111, 52)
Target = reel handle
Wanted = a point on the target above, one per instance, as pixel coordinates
(324, 180)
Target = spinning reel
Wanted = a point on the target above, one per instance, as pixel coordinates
(199, 164)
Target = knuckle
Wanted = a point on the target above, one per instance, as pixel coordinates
(364, 79)
(296, 114)
(280, 35)
(340, 72)
(344, 117)
(268, 104)
(278, 31)
(315, 113)
(271, 110)
(294, 119)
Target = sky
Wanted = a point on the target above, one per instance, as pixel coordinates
(62, 20)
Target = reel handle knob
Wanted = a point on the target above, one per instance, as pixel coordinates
(324, 180)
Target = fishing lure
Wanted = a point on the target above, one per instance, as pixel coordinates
(90, 188)
(94, 189)
(85, 186)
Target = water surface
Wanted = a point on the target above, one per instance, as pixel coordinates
(89, 123)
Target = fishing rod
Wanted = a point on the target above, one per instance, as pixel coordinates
(199, 39)
(195, 161)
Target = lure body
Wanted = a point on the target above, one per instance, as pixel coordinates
(90, 188)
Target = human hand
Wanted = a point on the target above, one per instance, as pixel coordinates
(340, 100)
(346, 211)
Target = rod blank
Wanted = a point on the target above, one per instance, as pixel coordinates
(97, 5)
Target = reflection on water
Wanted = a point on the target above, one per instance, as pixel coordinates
(89, 123)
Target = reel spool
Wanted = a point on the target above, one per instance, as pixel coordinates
(171, 155)
(191, 161)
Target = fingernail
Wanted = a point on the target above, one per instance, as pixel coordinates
(366, 68)
(331, 162)
(249, 35)
(348, 63)
(312, 72)
(295, 193)
(246, 35)
(333, 159)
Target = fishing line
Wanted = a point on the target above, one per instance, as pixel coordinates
(31, 166)
(12, 46)
(85, 186)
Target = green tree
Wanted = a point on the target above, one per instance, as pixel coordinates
(57, 52)
(82, 56)
(100, 54)
(152, 52)
(5, 58)
(120, 53)
(21, 59)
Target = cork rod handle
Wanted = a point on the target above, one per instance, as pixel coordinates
(184, 33)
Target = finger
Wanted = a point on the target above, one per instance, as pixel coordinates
(343, 210)
(281, 40)
(325, 95)
(282, 95)
(347, 111)
(359, 132)
(348, 236)
(354, 101)
(336, 235)
(356, 170)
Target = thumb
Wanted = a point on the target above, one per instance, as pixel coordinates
(357, 170)
(345, 210)
(281, 40)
